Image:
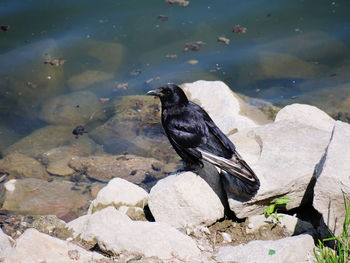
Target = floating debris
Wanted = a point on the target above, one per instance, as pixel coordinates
(192, 62)
(268, 15)
(135, 72)
(162, 18)
(55, 62)
(79, 130)
(239, 29)
(172, 56)
(123, 86)
(149, 81)
(104, 100)
(180, 2)
(298, 30)
(193, 46)
(31, 85)
(224, 40)
(5, 28)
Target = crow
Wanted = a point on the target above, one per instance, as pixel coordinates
(196, 138)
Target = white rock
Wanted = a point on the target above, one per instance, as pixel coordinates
(296, 249)
(119, 192)
(236, 116)
(10, 185)
(184, 199)
(289, 152)
(5, 246)
(306, 114)
(33, 246)
(293, 224)
(116, 232)
(333, 178)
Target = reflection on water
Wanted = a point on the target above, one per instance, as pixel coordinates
(68, 63)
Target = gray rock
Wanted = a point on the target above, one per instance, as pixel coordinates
(63, 110)
(40, 197)
(333, 179)
(22, 166)
(184, 199)
(293, 224)
(289, 152)
(287, 250)
(237, 114)
(58, 159)
(306, 114)
(34, 246)
(115, 232)
(5, 246)
(135, 129)
(119, 192)
(42, 140)
(130, 167)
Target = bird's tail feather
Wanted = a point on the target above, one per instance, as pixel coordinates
(242, 175)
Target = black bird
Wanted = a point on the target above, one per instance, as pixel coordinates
(195, 137)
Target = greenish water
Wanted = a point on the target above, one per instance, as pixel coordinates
(293, 51)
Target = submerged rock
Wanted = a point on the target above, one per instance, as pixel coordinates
(39, 197)
(41, 140)
(135, 129)
(333, 179)
(21, 166)
(63, 110)
(130, 167)
(88, 78)
(184, 199)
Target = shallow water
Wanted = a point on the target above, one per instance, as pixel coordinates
(292, 51)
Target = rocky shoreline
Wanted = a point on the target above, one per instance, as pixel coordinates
(185, 217)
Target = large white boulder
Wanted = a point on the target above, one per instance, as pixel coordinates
(306, 114)
(33, 246)
(115, 232)
(5, 246)
(184, 199)
(237, 114)
(333, 179)
(283, 155)
(287, 250)
(119, 192)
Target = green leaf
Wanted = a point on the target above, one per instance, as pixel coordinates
(283, 201)
(269, 210)
(271, 252)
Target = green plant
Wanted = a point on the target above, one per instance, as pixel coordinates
(271, 210)
(341, 253)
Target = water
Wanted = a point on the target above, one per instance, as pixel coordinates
(293, 51)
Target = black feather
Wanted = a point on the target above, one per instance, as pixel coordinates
(195, 137)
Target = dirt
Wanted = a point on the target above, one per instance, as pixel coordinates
(238, 233)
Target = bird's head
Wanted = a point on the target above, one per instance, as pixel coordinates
(170, 95)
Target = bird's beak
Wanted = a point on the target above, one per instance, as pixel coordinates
(155, 92)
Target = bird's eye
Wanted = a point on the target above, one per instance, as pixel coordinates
(167, 92)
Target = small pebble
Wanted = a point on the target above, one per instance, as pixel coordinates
(227, 237)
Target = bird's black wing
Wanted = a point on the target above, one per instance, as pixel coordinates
(186, 130)
(220, 151)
